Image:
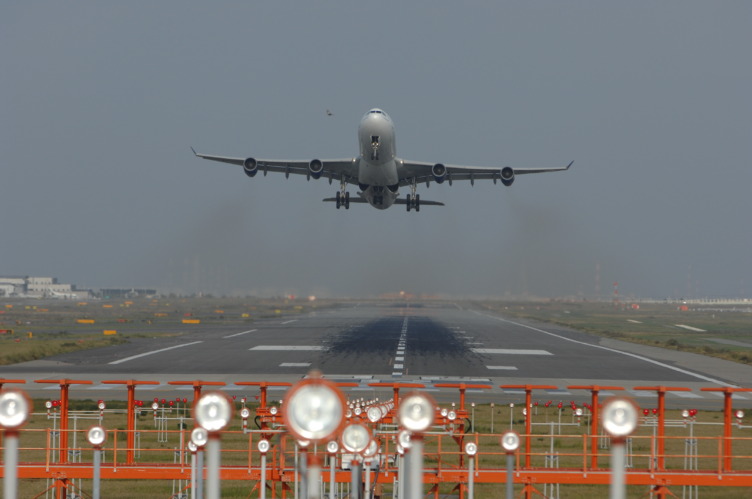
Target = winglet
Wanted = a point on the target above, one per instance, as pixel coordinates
(570, 164)
(194, 151)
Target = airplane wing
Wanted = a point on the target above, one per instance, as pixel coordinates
(333, 169)
(360, 200)
(424, 172)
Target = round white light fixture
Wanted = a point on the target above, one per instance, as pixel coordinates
(263, 446)
(739, 414)
(451, 415)
(199, 436)
(96, 435)
(244, 413)
(685, 413)
(101, 406)
(371, 449)
(578, 412)
(273, 410)
(471, 448)
(403, 439)
(213, 411)
(400, 450)
(444, 412)
(48, 404)
(355, 438)
(332, 447)
(416, 412)
(15, 408)
(374, 414)
(155, 405)
(314, 410)
(510, 441)
(192, 447)
(619, 417)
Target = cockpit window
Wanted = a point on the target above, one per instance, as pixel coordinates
(376, 111)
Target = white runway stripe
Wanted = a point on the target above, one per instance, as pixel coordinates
(288, 348)
(295, 364)
(238, 334)
(153, 352)
(502, 368)
(509, 351)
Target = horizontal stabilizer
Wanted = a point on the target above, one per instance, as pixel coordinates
(423, 202)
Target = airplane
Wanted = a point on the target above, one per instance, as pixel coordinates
(377, 171)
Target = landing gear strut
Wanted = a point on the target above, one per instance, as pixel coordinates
(413, 200)
(343, 197)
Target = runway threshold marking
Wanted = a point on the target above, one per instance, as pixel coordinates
(153, 352)
(510, 351)
(283, 348)
(238, 334)
(628, 354)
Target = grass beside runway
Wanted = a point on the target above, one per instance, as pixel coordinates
(696, 330)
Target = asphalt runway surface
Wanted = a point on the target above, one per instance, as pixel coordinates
(387, 342)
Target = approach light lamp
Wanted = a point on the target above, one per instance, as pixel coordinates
(471, 448)
(374, 414)
(213, 411)
(96, 436)
(371, 449)
(273, 410)
(314, 410)
(404, 439)
(620, 417)
(510, 441)
(199, 436)
(400, 450)
(578, 412)
(332, 447)
(245, 413)
(355, 438)
(101, 405)
(15, 408)
(451, 415)
(48, 404)
(263, 446)
(155, 405)
(685, 414)
(416, 412)
(739, 414)
(444, 412)
(192, 447)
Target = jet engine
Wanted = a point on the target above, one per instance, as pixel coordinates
(507, 176)
(250, 167)
(439, 173)
(315, 167)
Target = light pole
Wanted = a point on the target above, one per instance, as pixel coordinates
(510, 441)
(416, 415)
(213, 412)
(471, 448)
(620, 417)
(96, 437)
(15, 408)
(263, 447)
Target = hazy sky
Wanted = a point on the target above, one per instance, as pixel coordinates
(100, 102)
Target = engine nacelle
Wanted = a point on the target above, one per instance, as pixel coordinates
(250, 167)
(507, 176)
(439, 172)
(315, 167)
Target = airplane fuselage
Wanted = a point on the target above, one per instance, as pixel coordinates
(377, 172)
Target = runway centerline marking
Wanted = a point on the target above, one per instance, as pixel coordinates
(295, 364)
(510, 351)
(153, 352)
(238, 334)
(282, 348)
(628, 354)
(502, 368)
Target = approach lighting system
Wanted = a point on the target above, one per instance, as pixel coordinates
(451, 415)
(355, 438)
(96, 436)
(510, 441)
(314, 410)
(245, 413)
(15, 408)
(213, 411)
(263, 446)
(192, 447)
(199, 436)
(416, 412)
(371, 449)
(374, 414)
(471, 448)
(619, 417)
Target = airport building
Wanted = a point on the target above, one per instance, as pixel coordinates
(40, 287)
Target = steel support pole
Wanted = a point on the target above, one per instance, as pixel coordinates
(414, 464)
(95, 491)
(212, 465)
(617, 488)
(510, 475)
(471, 478)
(10, 480)
(262, 485)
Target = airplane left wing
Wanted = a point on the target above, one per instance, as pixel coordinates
(333, 169)
(418, 171)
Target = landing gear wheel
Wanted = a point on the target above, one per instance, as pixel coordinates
(408, 202)
(338, 200)
(417, 202)
(347, 200)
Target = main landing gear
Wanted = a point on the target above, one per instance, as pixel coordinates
(343, 197)
(413, 200)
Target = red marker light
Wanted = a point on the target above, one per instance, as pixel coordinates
(655, 411)
(185, 400)
(156, 400)
(164, 401)
(646, 412)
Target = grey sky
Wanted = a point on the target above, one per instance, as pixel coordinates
(100, 102)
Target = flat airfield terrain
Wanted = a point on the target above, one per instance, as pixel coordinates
(424, 341)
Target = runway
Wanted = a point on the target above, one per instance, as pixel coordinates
(376, 341)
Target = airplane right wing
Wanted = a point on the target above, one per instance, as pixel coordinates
(419, 171)
(333, 169)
